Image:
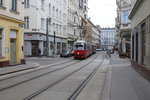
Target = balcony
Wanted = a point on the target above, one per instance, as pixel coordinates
(125, 27)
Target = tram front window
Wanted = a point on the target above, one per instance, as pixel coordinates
(79, 47)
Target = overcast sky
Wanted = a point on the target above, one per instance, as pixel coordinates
(102, 12)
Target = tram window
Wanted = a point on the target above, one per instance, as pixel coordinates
(78, 43)
(85, 47)
(79, 47)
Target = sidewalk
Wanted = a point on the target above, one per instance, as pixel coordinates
(17, 68)
(124, 83)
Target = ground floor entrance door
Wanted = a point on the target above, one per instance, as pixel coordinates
(12, 51)
(34, 48)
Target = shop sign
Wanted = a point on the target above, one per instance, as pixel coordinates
(30, 36)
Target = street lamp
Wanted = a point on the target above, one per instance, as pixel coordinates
(48, 21)
(54, 44)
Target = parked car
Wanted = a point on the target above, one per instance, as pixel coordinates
(99, 49)
(67, 53)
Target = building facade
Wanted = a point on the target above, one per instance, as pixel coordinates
(98, 36)
(93, 34)
(83, 13)
(45, 26)
(89, 31)
(11, 32)
(77, 21)
(73, 23)
(107, 38)
(140, 22)
(123, 26)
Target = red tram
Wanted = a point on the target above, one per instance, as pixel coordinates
(83, 49)
(93, 49)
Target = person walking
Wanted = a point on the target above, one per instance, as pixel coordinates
(39, 53)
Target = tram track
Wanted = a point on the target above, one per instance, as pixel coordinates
(84, 83)
(50, 66)
(58, 81)
(24, 81)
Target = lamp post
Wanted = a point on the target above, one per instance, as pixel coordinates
(54, 44)
(48, 21)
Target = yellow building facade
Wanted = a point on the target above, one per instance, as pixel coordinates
(11, 35)
(11, 41)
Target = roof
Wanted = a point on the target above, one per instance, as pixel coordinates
(107, 28)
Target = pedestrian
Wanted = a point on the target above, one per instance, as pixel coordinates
(39, 52)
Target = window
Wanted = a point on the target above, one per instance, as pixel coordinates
(26, 20)
(53, 26)
(64, 17)
(64, 31)
(26, 3)
(85, 16)
(56, 28)
(1, 39)
(14, 5)
(74, 19)
(42, 23)
(143, 42)
(53, 11)
(42, 4)
(64, 3)
(1, 2)
(74, 32)
(126, 14)
(56, 13)
(60, 30)
(49, 8)
(60, 15)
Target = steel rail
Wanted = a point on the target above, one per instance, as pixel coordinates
(56, 82)
(35, 70)
(84, 83)
(13, 85)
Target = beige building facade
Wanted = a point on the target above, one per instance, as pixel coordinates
(11, 32)
(93, 34)
(140, 22)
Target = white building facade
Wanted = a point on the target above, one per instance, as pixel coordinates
(107, 38)
(123, 25)
(45, 26)
(77, 21)
(73, 23)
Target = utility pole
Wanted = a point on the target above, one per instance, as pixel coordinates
(48, 21)
(54, 44)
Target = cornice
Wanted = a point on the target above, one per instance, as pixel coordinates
(137, 4)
